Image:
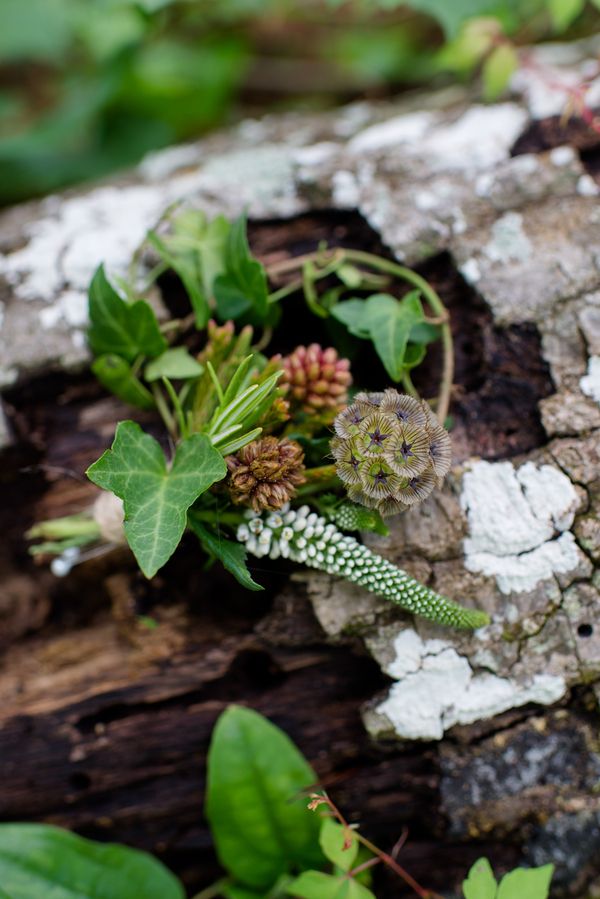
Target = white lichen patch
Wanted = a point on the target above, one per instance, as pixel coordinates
(518, 523)
(508, 241)
(437, 689)
(590, 383)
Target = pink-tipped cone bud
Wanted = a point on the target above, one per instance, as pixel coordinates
(315, 379)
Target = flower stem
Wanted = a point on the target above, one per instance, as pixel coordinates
(336, 257)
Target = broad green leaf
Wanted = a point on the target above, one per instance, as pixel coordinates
(316, 885)
(242, 288)
(526, 883)
(480, 883)
(258, 815)
(156, 498)
(231, 554)
(498, 69)
(38, 861)
(424, 333)
(390, 323)
(353, 314)
(333, 843)
(176, 363)
(124, 329)
(116, 375)
(563, 12)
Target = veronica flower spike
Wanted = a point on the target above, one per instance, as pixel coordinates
(306, 537)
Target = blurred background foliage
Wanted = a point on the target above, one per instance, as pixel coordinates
(89, 86)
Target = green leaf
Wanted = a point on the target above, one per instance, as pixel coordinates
(352, 313)
(38, 862)
(564, 12)
(124, 329)
(195, 250)
(498, 69)
(414, 355)
(258, 816)
(155, 498)
(237, 892)
(452, 13)
(176, 363)
(232, 555)
(526, 883)
(116, 375)
(333, 843)
(242, 288)
(390, 323)
(316, 885)
(480, 883)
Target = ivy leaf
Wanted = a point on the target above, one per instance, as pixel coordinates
(116, 375)
(352, 313)
(242, 288)
(480, 883)
(498, 69)
(232, 555)
(316, 885)
(526, 883)
(125, 329)
(333, 839)
(156, 498)
(37, 860)
(176, 363)
(259, 820)
(391, 322)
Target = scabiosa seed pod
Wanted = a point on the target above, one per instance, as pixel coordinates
(315, 379)
(390, 450)
(304, 536)
(265, 473)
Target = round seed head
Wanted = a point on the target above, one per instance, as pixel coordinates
(408, 451)
(376, 431)
(378, 479)
(416, 489)
(407, 409)
(440, 450)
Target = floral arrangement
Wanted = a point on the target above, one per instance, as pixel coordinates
(269, 453)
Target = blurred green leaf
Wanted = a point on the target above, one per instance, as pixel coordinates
(498, 69)
(176, 363)
(339, 844)
(255, 806)
(116, 375)
(242, 288)
(563, 12)
(38, 861)
(36, 29)
(125, 329)
(316, 885)
(480, 882)
(526, 883)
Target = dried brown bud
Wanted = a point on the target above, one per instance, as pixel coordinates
(315, 379)
(265, 473)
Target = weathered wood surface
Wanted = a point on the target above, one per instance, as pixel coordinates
(104, 725)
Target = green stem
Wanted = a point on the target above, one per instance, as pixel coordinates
(408, 385)
(215, 889)
(321, 473)
(165, 412)
(183, 428)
